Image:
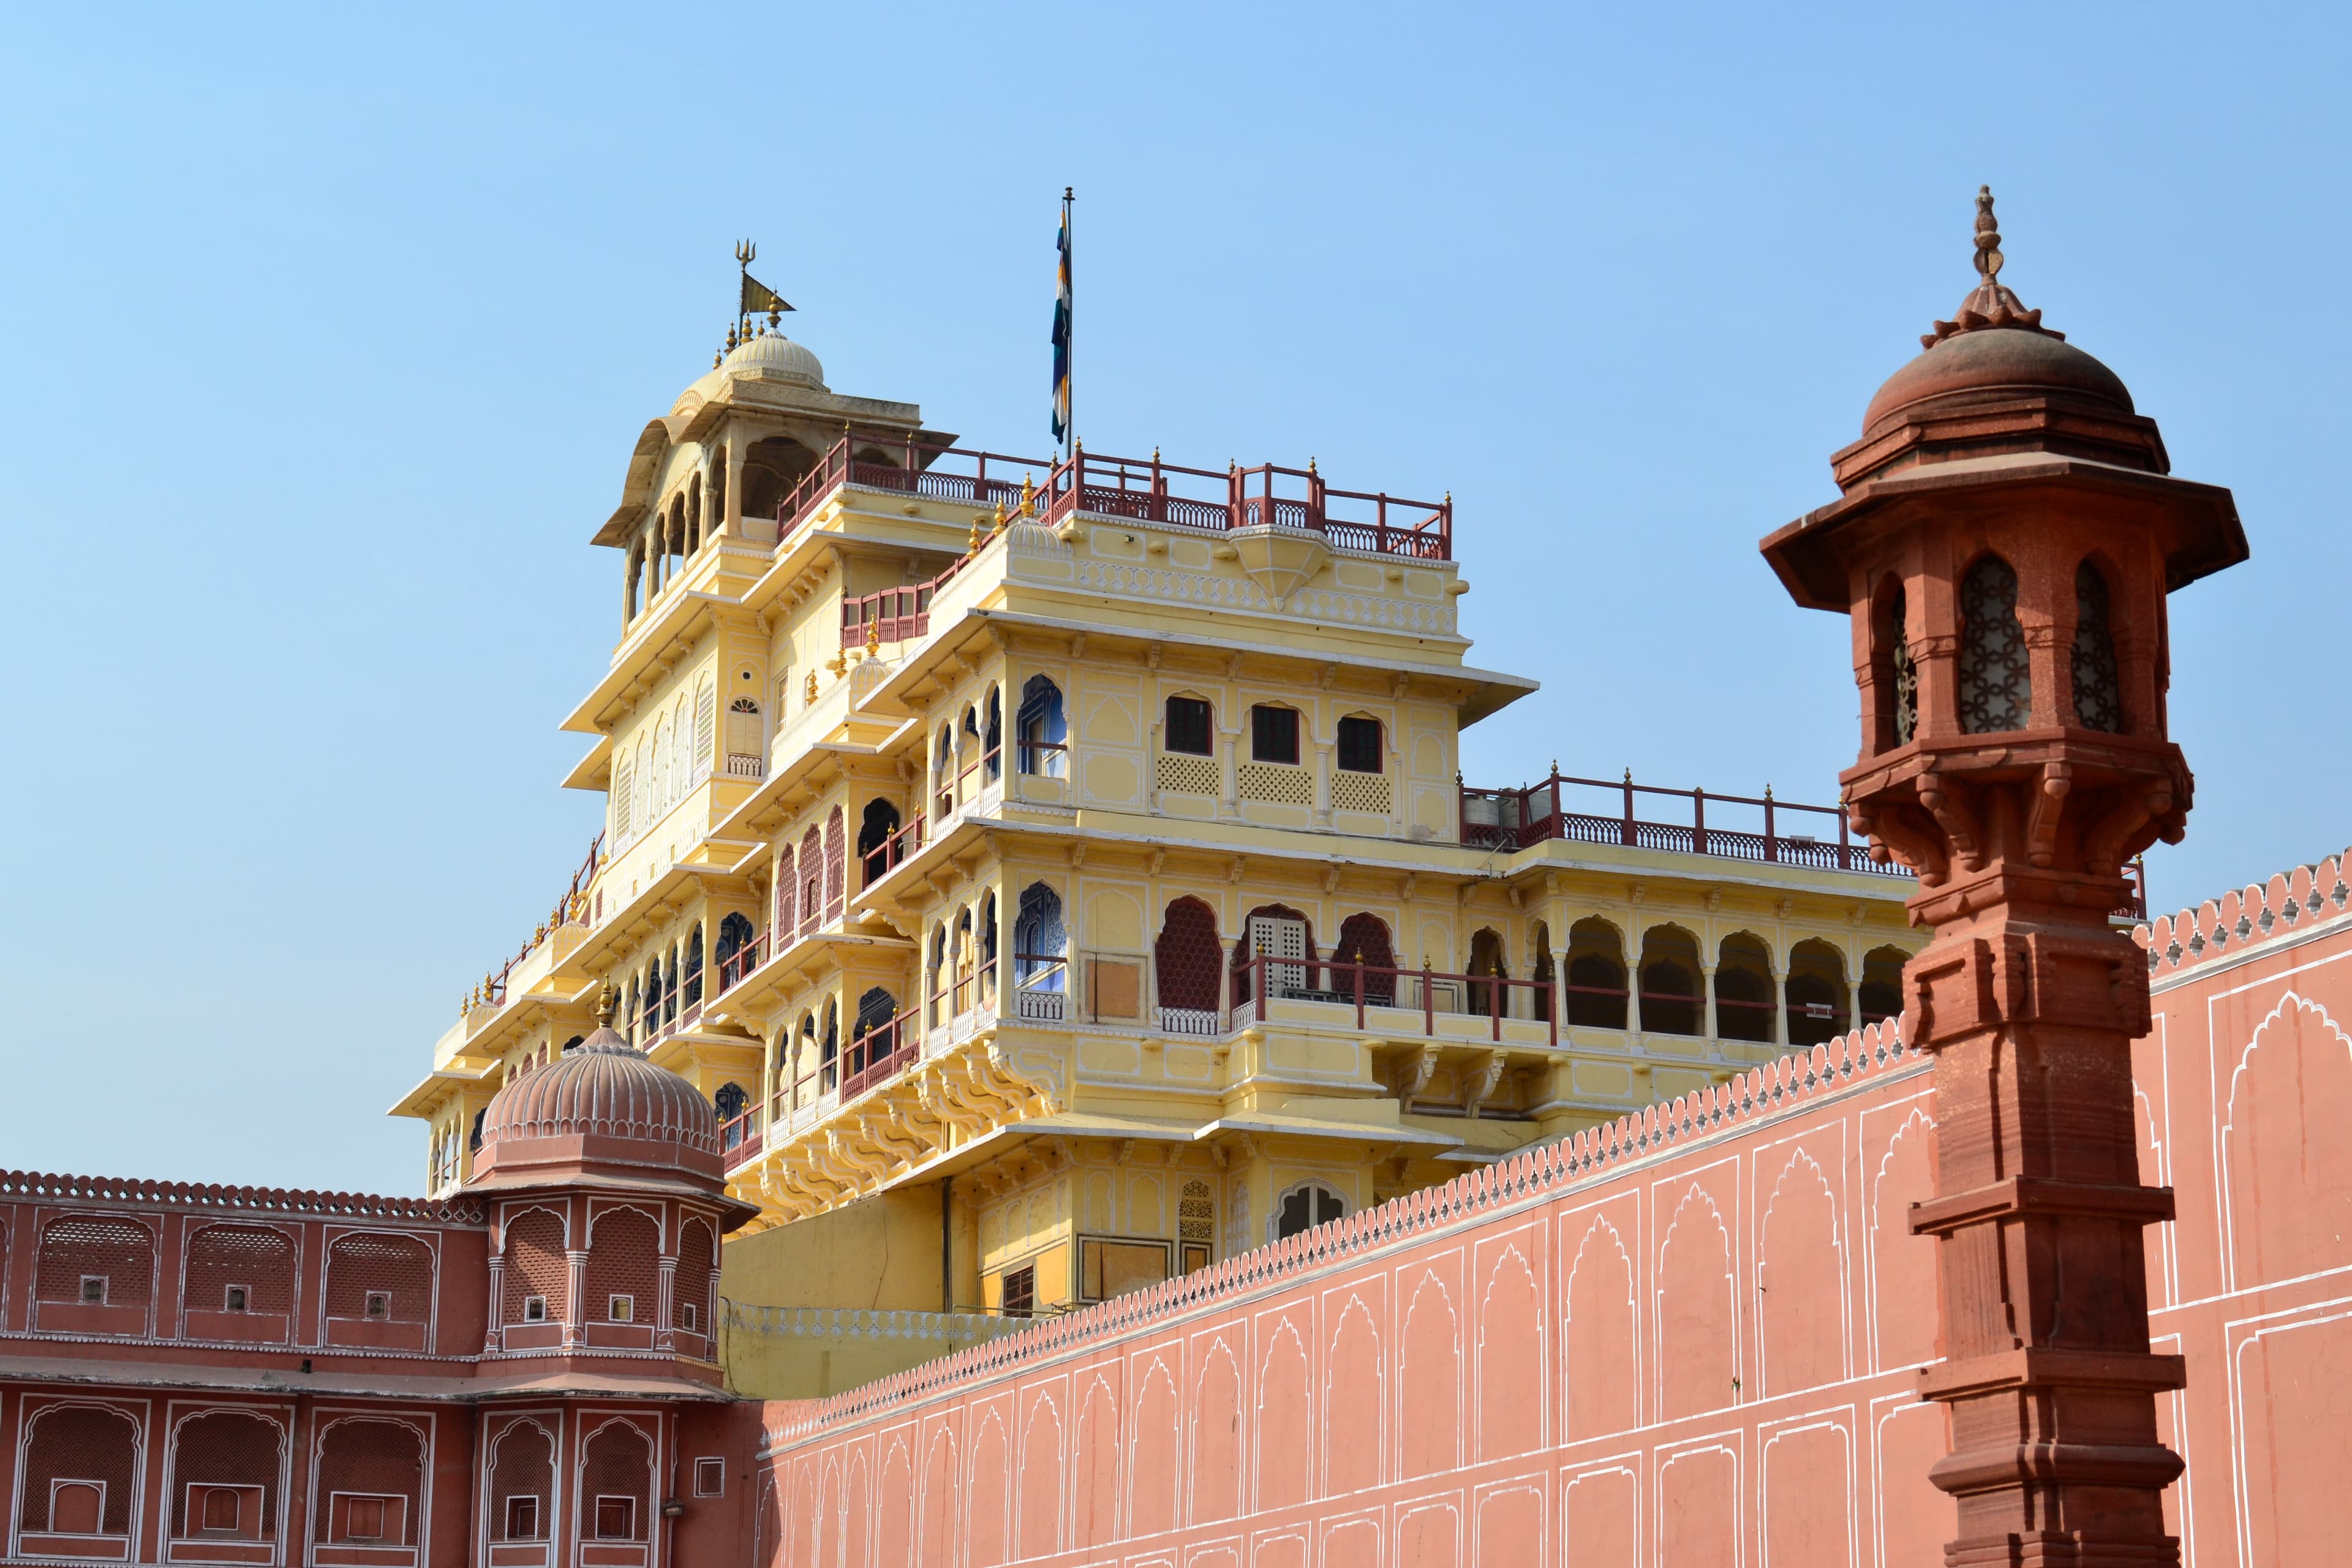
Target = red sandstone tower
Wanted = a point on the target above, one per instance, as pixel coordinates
(2006, 533)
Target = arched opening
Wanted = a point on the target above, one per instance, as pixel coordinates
(1996, 674)
(1743, 989)
(1893, 671)
(1305, 1206)
(370, 1481)
(734, 951)
(1880, 995)
(730, 1101)
(806, 1084)
(1541, 970)
(812, 872)
(1671, 1001)
(1278, 942)
(224, 1467)
(876, 853)
(693, 515)
(80, 1472)
(693, 987)
(1596, 975)
(1042, 733)
(623, 1255)
(652, 992)
(1364, 939)
(1487, 960)
(937, 990)
(1039, 944)
(615, 1484)
(2098, 687)
(873, 1035)
(1190, 727)
(1184, 963)
(522, 1482)
(829, 1049)
(633, 580)
(991, 737)
(988, 950)
(836, 863)
(771, 469)
(943, 773)
(963, 952)
(1817, 995)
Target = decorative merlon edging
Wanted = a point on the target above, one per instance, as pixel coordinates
(2246, 918)
(40, 1188)
(1546, 1169)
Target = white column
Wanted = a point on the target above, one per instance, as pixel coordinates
(575, 1305)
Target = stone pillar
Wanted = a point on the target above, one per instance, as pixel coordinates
(665, 1331)
(494, 1341)
(575, 1304)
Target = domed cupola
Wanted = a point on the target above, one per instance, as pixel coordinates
(601, 1114)
(771, 357)
(1992, 381)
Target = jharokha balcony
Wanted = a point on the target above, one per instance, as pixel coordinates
(1144, 489)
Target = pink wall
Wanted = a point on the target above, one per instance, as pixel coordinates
(1688, 1339)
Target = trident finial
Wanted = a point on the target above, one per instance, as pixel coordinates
(746, 253)
(1989, 256)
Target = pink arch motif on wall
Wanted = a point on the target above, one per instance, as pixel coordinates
(2286, 1167)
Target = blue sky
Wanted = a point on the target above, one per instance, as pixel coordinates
(327, 334)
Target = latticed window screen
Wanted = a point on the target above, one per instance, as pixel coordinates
(122, 1251)
(690, 1287)
(618, 1464)
(374, 1459)
(80, 1443)
(2098, 689)
(1901, 670)
(225, 1448)
(1186, 957)
(624, 1254)
(835, 865)
(399, 1267)
(787, 911)
(523, 1466)
(536, 1265)
(261, 1259)
(1196, 1213)
(1996, 678)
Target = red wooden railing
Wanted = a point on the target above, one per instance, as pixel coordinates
(738, 965)
(891, 853)
(570, 909)
(1368, 984)
(1514, 818)
(740, 1138)
(1215, 500)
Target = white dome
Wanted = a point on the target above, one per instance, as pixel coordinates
(775, 357)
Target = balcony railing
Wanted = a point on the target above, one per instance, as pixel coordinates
(1209, 501)
(738, 1140)
(1431, 992)
(1514, 818)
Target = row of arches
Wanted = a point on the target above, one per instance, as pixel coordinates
(107, 1260)
(621, 1283)
(672, 756)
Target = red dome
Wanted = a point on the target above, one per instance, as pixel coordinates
(600, 1112)
(1992, 364)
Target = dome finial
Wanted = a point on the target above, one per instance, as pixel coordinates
(604, 1006)
(1992, 303)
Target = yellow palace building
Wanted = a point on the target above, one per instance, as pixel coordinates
(1059, 876)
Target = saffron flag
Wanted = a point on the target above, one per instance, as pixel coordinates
(759, 297)
(1062, 330)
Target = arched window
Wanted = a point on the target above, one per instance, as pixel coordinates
(80, 1472)
(622, 780)
(1816, 991)
(787, 897)
(1995, 675)
(1364, 939)
(938, 988)
(991, 737)
(1041, 731)
(1359, 745)
(872, 1037)
(1305, 1206)
(1185, 960)
(836, 848)
(1880, 995)
(963, 953)
(730, 1101)
(1486, 959)
(1743, 989)
(943, 771)
(616, 1471)
(876, 853)
(238, 1268)
(1191, 728)
(829, 1049)
(1539, 970)
(811, 881)
(1285, 939)
(225, 1469)
(1898, 675)
(1596, 975)
(1670, 999)
(694, 515)
(988, 951)
(522, 1481)
(370, 1480)
(623, 1278)
(1039, 944)
(735, 938)
(2098, 689)
(1274, 733)
(693, 989)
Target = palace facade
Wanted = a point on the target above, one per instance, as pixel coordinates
(1072, 855)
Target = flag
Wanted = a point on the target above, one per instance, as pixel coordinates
(1062, 330)
(758, 297)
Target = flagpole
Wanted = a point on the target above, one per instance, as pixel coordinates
(1070, 413)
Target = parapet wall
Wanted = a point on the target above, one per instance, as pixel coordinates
(1692, 1336)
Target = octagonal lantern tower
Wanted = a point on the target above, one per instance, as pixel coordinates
(2006, 536)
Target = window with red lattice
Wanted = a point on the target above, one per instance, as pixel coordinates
(1186, 957)
(225, 1470)
(95, 1444)
(836, 848)
(371, 1482)
(787, 913)
(536, 1265)
(1364, 939)
(522, 1480)
(617, 1467)
(691, 1286)
(624, 1260)
(369, 1263)
(256, 1257)
(86, 1246)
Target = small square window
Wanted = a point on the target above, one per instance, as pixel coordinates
(221, 1511)
(1274, 734)
(379, 1305)
(1021, 1292)
(93, 1289)
(621, 1308)
(710, 1477)
(366, 1519)
(1189, 727)
(687, 1318)
(616, 1519)
(236, 1297)
(522, 1518)
(1359, 745)
(534, 1308)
